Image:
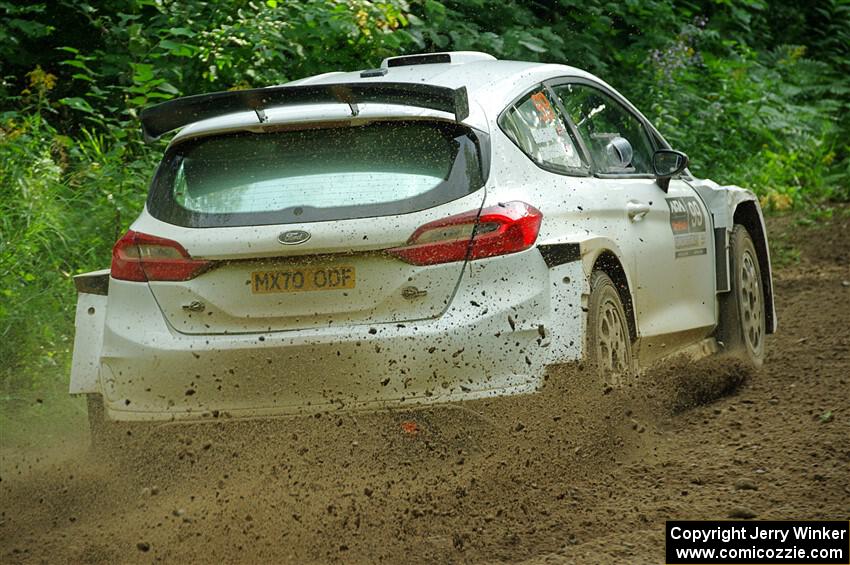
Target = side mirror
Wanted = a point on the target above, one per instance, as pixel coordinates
(668, 163)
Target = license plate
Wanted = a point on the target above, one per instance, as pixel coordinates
(303, 279)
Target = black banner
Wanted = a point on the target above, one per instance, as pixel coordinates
(744, 542)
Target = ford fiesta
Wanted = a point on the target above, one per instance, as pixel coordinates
(438, 229)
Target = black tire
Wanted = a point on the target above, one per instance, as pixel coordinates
(742, 328)
(102, 432)
(609, 344)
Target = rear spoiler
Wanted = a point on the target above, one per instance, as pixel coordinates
(168, 116)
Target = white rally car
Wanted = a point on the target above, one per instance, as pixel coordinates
(438, 229)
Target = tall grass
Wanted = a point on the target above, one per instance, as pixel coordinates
(62, 204)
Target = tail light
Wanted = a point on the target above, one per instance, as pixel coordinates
(141, 257)
(498, 230)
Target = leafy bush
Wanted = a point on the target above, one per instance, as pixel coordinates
(760, 120)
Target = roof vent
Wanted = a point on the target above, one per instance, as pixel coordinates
(370, 73)
(453, 57)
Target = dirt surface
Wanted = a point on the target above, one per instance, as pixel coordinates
(576, 474)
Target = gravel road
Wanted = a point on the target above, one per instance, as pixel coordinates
(576, 474)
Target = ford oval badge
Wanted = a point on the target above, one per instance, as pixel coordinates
(293, 237)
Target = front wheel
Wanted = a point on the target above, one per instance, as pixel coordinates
(609, 344)
(742, 315)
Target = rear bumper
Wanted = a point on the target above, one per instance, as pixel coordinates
(489, 342)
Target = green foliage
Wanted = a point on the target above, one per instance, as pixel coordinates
(756, 91)
(62, 204)
(20, 23)
(766, 120)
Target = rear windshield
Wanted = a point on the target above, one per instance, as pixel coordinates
(316, 174)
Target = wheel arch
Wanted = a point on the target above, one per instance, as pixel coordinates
(598, 252)
(608, 262)
(730, 205)
(748, 214)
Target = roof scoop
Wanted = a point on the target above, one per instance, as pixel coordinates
(449, 57)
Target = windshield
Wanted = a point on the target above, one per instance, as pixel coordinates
(315, 174)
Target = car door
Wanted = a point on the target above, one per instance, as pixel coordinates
(665, 238)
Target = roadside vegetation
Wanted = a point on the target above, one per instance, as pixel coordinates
(756, 92)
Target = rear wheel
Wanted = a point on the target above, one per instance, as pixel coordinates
(609, 344)
(742, 316)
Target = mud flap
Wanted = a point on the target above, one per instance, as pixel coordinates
(89, 321)
(567, 284)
